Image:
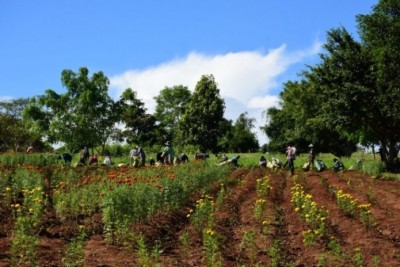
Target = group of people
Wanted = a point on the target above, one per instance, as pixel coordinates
(84, 158)
(291, 156)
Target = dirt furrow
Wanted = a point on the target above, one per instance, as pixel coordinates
(350, 232)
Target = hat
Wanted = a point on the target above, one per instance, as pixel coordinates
(311, 145)
(167, 143)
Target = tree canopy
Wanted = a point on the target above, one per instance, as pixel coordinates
(83, 116)
(352, 95)
(200, 124)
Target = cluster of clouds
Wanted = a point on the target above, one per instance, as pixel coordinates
(246, 79)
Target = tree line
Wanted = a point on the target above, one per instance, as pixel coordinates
(85, 115)
(352, 96)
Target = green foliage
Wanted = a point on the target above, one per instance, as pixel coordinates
(351, 96)
(141, 126)
(171, 105)
(243, 139)
(14, 131)
(200, 124)
(83, 116)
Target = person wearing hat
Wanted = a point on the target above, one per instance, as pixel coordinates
(168, 153)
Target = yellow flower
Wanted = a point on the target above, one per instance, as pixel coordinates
(8, 189)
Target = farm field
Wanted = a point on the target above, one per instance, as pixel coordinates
(197, 214)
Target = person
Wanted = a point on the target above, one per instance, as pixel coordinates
(94, 159)
(29, 150)
(311, 156)
(274, 163)
(107, 160)
(142, 156)
(234, 161)
(262, 162)
(134, 155)
(224, 158)
(338, 165)
(320, 165)
(290, 157)
(66, 157)
(84, 156)
(168, 153)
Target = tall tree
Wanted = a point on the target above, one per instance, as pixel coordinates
(14, 134)
(171, 105)
(140, 126)
(200, 123)
(301, 121)
(244, 140)
(380, 32)
(83, 116)
(359, 82)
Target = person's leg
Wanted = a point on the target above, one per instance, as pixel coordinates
(291, 166)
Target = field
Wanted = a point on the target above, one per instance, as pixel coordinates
(198, 214)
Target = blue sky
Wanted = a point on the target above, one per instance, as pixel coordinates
(251, 47)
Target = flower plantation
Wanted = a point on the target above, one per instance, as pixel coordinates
(196, 214)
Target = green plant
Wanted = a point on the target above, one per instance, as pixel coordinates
(146, 258)
(365, 215)
(334, 246)
(74, 251)
(346, 203)
(212, 255)
(376, 261)
(275, 254)
(358, 257)
(259, 209)
(322, 260)
(185, 242)
(248, 246)
(202, 217)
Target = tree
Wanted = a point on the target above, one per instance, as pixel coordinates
(200, 123)
(83, 116)
(362, 79)
(244, 140)
(301, 121)
(141, 127)
(171, 105)
(14, 133)
(359, 83)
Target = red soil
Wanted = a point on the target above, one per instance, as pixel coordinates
(379, 245)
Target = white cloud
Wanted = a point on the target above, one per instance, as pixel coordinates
(248, 77)
(264, 102)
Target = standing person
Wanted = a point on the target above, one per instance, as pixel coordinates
(311, 156)
(168, 153)
(142, 156)
(134, 155)
(290, 157)
(84, 156)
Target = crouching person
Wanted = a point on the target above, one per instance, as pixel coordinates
(338, 165)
